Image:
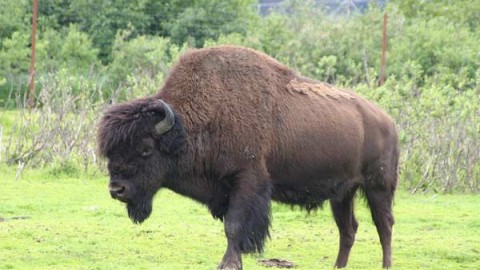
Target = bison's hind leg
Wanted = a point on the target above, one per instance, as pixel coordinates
(347, 225)
(380, 185)
(380, 203)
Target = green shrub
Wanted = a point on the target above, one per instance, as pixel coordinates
(140, 64)
(15, 55)
(70, 49)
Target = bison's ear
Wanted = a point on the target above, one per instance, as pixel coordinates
(160, 107)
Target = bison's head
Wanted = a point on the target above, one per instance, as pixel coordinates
(142, 140)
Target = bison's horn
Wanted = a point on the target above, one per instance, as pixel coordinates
(167, 123)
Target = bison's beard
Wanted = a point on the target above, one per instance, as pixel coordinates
(139, 211)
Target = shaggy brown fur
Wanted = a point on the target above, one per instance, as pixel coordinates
(249, 129)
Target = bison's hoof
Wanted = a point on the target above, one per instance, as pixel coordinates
(230, 265)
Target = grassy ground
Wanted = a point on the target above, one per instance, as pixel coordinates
(73, 224)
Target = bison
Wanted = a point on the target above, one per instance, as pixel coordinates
(233, 129)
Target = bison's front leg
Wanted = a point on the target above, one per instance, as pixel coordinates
(247, 219)
(232, 260)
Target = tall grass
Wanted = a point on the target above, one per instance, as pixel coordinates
(59, 130)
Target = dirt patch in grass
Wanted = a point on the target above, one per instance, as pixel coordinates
(279, 263)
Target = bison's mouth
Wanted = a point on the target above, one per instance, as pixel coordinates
(139, 211)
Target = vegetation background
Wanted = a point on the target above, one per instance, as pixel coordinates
(91, 53)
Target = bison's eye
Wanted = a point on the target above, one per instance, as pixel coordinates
(146, 152)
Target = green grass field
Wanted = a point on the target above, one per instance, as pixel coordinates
(73, 224)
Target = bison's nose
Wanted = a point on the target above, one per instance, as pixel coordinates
(117, 190)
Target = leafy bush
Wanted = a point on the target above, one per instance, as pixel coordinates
(15, 55)
(71, 50)
(206, 19)
(140, 64)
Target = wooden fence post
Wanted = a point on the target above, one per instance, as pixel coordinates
(31, 96)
